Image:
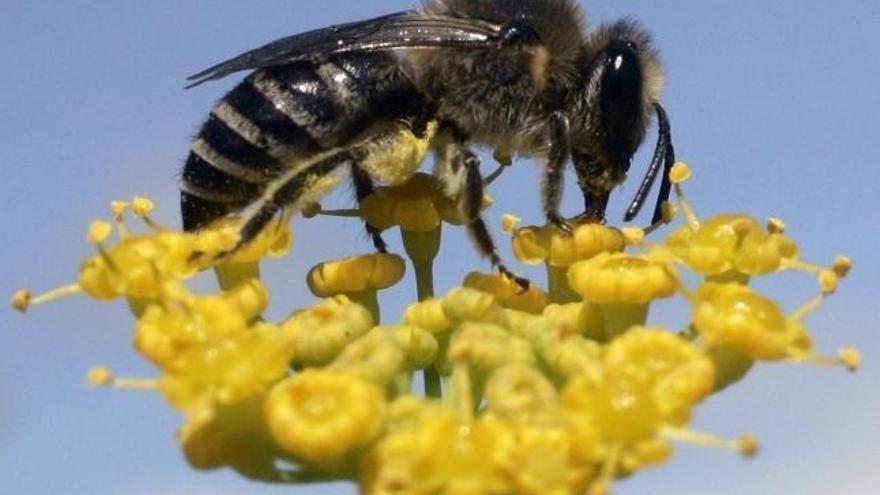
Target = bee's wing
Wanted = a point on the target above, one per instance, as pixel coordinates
(408, 29)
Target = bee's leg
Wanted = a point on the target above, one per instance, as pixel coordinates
(552, 183)
(664, 154)
(291, 190)
(590, 180)
(464, 166)
(363, 187)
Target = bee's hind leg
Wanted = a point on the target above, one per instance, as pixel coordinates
(363, 187)
(464, 170)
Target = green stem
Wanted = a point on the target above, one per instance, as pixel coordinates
(433, 386)
(620, 317)
(231, 275)
(422, 248)
(368, 299)
(557, 285)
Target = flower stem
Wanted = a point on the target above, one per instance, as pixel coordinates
(231, 275)
(557, 285)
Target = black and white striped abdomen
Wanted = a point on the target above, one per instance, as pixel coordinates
(278, 118)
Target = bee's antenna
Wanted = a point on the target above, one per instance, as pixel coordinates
(664, 154)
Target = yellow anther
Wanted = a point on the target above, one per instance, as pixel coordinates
(633, 235)
(311, 210)
(842, 266)
(775, 225)
(851, 358)
(99, 231)
(100, 376)
(21, 300)
(509, 222)
(118, 209)
(828, 281)
(668, 211)
(749, 445)
(141, 206)
(680, 173)
(428, 314)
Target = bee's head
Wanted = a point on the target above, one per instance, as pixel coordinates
(622, 80)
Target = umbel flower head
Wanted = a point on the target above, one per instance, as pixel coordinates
(531, 391)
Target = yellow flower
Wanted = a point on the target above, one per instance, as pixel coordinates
(359, 273)
(234, 436)
(543, 463)
(735, 315)
(321, 332)
(440, 455)
(533, 245)
(428, 314)
(227, 369)
(731, 242)
(418, 205)
(507, 292)
(324, 417)
(464, 304)
(485, 347)
(375, 357)
(520, 393)
(675, 372)
(274, 241)
(623, 278)
(165, 331)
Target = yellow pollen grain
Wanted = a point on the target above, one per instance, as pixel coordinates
(680, 173)
(118, 208)
(141, 206)
(99, 231)
(828, 281)
(99, 376)
(509, 222)
(633, 236)
(749, 445)
(21, 300)
(842, 266)
(775, 225)
(851, 358)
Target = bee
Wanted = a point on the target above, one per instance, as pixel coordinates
(521, 77)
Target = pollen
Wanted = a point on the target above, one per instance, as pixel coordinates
(99, 231)
(21, 300)
(99, 376)
(509, 222)
(680, 173)
(141, 206)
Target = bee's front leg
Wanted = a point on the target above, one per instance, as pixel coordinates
(460, 169)
(363, 187)
(552, 183)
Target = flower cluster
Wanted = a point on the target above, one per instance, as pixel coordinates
(557, 391)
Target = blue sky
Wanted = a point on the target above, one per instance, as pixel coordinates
(774, 104)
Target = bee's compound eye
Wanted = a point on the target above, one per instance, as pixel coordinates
(632, 45)
(519, 34)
